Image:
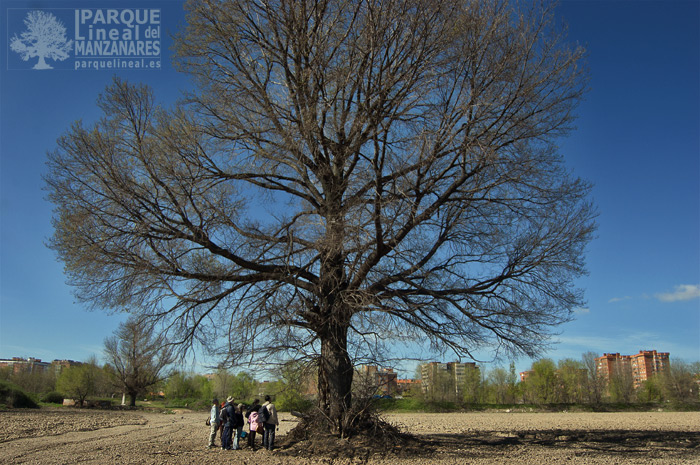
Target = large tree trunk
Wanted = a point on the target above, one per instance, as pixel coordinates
(335, 375)
(335, 370)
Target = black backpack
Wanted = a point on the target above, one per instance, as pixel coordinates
(263, 414)
(230, 415)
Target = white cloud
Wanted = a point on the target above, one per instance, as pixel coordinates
(580, 344)
(582, 311)
(619, 299)
(681, 293)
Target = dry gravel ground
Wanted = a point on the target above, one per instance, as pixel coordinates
(68, 436)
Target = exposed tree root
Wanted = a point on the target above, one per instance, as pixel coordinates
(366, 436)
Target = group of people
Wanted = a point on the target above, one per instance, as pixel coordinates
(228, 418)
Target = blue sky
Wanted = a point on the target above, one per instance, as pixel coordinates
(638, 142)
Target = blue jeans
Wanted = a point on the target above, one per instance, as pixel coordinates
(269, 436)
(226, 436)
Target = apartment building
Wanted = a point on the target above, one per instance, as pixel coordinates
(35, 365)
(647, 363)
(384, 379)
(641, 366)
(455, 372)
(19, 364)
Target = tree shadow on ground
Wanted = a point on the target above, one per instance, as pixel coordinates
(666, 444)
(670, 445)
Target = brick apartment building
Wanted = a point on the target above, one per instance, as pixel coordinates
(641, 366)
(35, 365)
(385, 379)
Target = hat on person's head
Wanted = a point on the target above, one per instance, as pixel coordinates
(229, 399)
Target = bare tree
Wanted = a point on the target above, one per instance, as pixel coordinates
(679, 381)
(621, 384)
(138, 357)
(595, 383)
(503, 384)
(346, 174)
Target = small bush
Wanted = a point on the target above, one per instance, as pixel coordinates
(52, 397)
(295, 403)
(13, 397)
(192, 404)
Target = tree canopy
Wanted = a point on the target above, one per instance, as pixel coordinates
(346, 174)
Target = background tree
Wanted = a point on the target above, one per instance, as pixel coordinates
(182, 386)
(500, 386)
(542, 385)
(441, 388)
(474, 386)
(44, 38)
(621, 383)
(222, 383)
(679, 382)
(514, 393)
(595, 384)
(139, 357)
(244, 386)
(345, 174)
(79, 381)
(35, 381)
(650, 390)
(572, 381)
(293, 385)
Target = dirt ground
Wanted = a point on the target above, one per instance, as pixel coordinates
(68, 436)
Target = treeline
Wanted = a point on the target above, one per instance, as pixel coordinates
(89, 382)
(567, 381)
(78, 382)
(197, 391)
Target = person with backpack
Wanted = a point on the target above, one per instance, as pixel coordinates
(268, 415)
(253, 422)
(228, 418)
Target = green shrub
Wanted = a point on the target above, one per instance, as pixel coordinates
(191, 403)
(13, 397)
(293, 403)
(52, 397)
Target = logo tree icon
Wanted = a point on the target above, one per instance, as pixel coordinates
(45, 37)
